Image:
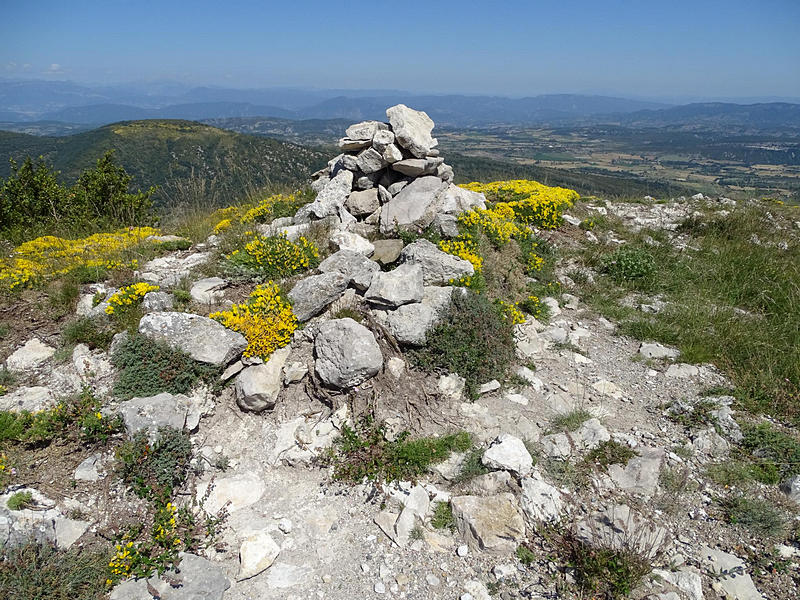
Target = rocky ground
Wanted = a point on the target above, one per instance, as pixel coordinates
(292, 532)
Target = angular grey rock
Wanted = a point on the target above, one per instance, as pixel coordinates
(347, 353)
(640, 474)
(202, 338)
(508, 453)
(395, 187)
(197, 579)
(257, 387)
(438, 268)
(312, 295)
(455, 200)
(208, 290)
(410, 323)
(492, 524)
(791, 487)
(256, 554)
(353, 265)
(157, 302)
(657, 351)
(383, 195)
(347, 240)
(387, 251)
(731, 578)
(366, 130)
(28, 399)
(392, 154)
(618, 527)
(88, 469)
(445, 173)
(148, 414)
(412, 129)
(361, 203)
(169, 270)
(540, 501)
(414, 167)
(446, 225)
(391, 289)
(413, 207)
(686, 580)
(382, 139)
(333, 196)
(33, 353)
(349, 145)
(592, 433)
(682, 371)
(370, 161)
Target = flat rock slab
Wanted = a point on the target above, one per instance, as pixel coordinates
(169, 270)
(414, 207)
(312, 295)
(353, 265)
(492, 524)
(438, 267)
(640, 474)
(400, 286)
(32, 354)
(732, 578)
(195, 579)
(30, 399)
(237, 492)
(202, 338)
(148, 414)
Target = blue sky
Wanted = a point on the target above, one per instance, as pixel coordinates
(708, 48)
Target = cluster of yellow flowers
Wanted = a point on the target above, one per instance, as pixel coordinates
(263, 212)
(511, 312)
(266, 320)
(222, 226)
(120, 564)
(126, 297)
(498, 223)
(47, 257)
(463, 248)
(532, 203)
(275, 256)
(533, 306)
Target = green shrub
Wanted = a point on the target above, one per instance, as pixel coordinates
(608, 453)
(629, 263)
(525, 555)
(605, 572)
(732, 473)
(147, 368)
(570, 421)
(20, 500)
(153, 471)
(775, 455)
(443, 516)
(41, 572)
(87, 331)
(472, 466)
(365, 452)
(473, 340)
(757, 516)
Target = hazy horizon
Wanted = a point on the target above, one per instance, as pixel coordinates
(686, 51)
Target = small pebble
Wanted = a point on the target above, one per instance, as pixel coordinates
(432, 580)
(463, 550)
(379, 588)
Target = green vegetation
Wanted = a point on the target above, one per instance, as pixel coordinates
(570, 421)
(525, 555)
(154, 470)
(608, 453)
(757, 516)
(88, 331)
(732, 473)
(473, 340)
(147, 368)
(629, 264)
(41, 572)
(33, 202)
(730, 301)
(443, 516)
(472, 466)
(20, 501)
(775, 455)
(365, 452)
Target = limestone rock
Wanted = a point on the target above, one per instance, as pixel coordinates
(791, 487)
(731, 576)
(29, 399)
(508, 453)
(366, 130)
(391, 289)
(313, 294)
(353, 265)
(410, 323)
(257, 387)
(346, 240)
(333, 196)
(202, 338)
(492, 524)
(347, 353)
(362, 203)
(618, 527)
(382, 139)
(438, 268)
(412, 128)
(455, 200)
(157, 302)
(657, 351)
(540, 501)
(370, 161)
(387, 251)
(413, 207)
(237, 492)
(414, 167)
(32, 354)
(640, 474)
(208, 291)
(148, 414)
(256, 554)
(169, 270)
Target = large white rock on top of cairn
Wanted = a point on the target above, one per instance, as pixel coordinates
(365, 130)
(313, 294)
(391, 289)
(353, 265)
(414, 206)
(347, 353)
(438, 268)
(332, 197)
(202, 338)
(508, 453)
(32, 354)
(257, 387)
(412, 129)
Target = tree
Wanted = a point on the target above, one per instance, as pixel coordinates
(30, 196)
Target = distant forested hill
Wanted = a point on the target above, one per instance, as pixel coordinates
(170, 154)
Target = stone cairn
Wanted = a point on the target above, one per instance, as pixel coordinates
(391, 176)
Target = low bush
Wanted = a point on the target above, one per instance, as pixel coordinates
(570, 421)
(88, 331)
(757, 516)
(365, 452)
(155, 470)
(274, 257)
(472, 466)
(42, 572)
(608, 453)
(443, 516)
(147, 368)
(20, 500)
(775, 455)
(474, 340)
(629, 264)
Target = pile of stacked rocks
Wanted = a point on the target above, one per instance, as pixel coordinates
(390, 175)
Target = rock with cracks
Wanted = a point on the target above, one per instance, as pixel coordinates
(202, 338)
(347, 353)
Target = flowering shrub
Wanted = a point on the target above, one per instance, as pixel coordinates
(222, 226)
(533, 306)
(511, 312)
(129, 296)
(275, 256)
(48, 257)
(266, 320)
(531, 202)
